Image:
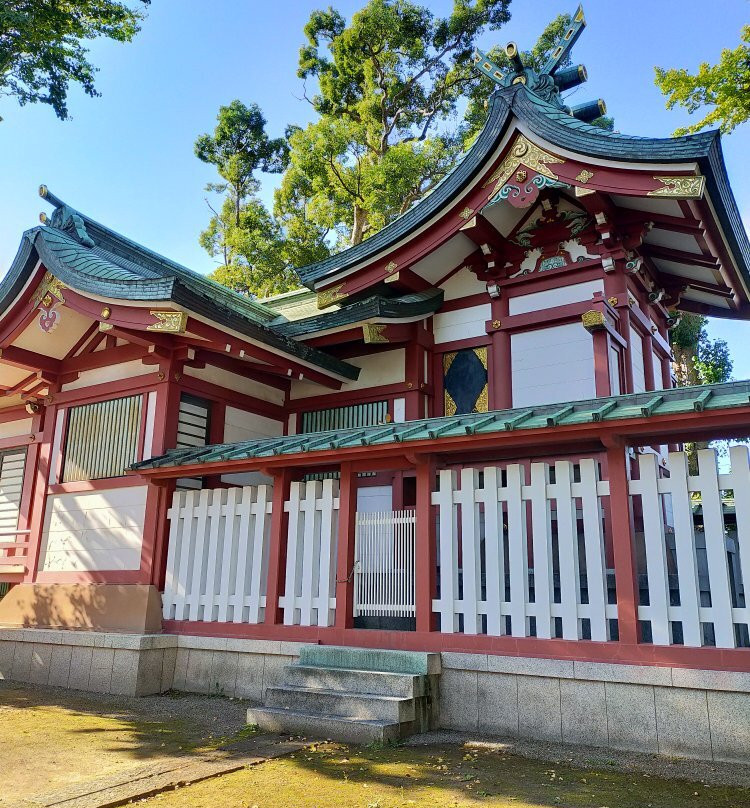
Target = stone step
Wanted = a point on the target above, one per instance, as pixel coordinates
(341, 728)
(337, 703)
(369, 659)
(403, 685)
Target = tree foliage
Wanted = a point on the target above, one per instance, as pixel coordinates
(41, 45)
(698, 359)
(387, 83)
(724, 86)
(242, 234)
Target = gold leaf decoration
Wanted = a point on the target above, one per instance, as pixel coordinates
(390, 266)
(168, 322)
(584, 176)
(592, 320)
(49, 285)
(523, 152)
(466, 213)
(374, 333)
(680, 187)
(330, 296)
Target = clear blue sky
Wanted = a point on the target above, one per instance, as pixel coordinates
(126, 159)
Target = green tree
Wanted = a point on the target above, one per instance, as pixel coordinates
(388, 82)
(242, 234)
(41, 45)
(724, 86)
(698, 359)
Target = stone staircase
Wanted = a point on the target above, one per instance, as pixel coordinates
(356, 695)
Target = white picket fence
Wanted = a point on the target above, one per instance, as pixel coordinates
(309, 594)
(702, 564)
(384, 564)
(218, 555)
(487, 525)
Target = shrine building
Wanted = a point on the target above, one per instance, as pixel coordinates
(444, 481)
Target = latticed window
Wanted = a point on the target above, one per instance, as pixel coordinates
(102, 439)
(355, 415)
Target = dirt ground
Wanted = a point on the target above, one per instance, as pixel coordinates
(63, 749)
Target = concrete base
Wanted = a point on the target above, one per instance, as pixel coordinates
(669, 711)
(94, 607)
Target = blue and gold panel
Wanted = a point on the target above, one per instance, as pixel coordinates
(465, 381)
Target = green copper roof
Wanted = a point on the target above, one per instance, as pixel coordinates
(598, 410)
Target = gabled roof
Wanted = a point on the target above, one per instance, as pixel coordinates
(376, 307)
(560, 129)
(603, 410)
(95, 260)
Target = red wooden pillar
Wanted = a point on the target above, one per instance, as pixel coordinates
(623, 546)
(35, 481)
(345, 558)
(602, 383)
(156, 532)
(649, 371)
(425, 567)
(500, 370)
(277, 546)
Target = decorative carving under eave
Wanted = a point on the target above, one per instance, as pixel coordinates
(593, 320)
(168, 322)
(584, 176)
(330, 296)
(374, 333)
(391, 266)
(48, 297)
(680, 187)
(466, 213)
(523, 152)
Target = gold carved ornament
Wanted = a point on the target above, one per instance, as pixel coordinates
(680, 187)
(374, 333)
(168, 322)
(50, 285)
(584, 176)
(592, 320)
(391, 266)
(330, 296)
(523, 152)
(466, 213)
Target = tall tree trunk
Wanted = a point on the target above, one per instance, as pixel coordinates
(360, 225)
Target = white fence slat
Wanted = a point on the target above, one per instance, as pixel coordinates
(567, 544)
(194, 596)
(518, 555)
(493, 551)
(326, 551)
(687, 569)
(228, 555)
(241, 581)
(210, 584)
(470, 547)
(656, 547)
(261, 510)
(593, 535)
(187, 545)
(174, 547)
(310, 536)
(448, 533)
(541, 527)
(716, 553)
(293, 564)
(740, 477)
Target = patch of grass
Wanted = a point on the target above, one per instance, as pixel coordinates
(336, 776)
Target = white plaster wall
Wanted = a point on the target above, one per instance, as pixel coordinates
(14, 429)
(463, 284)
(552, 365)
(240, 425)
(385, 367)
(110, 373)
(451, 326)
(94, 530)
(233, 381)
(658, 376)
(560, 296)
(636, 353)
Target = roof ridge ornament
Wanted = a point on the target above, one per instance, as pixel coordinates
(65, 218)
(552, 79)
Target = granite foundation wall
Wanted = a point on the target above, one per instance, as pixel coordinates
(668, 711)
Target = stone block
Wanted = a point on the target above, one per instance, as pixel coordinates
(249, 646)
(711, 680)
(458, 700)
(102, 661)
(529, 666)
(21, 662)
(59, 666)
(180, 668)
(539, 708)
(125, 664)
(631, 717)
(464, 662)
(224, 673)
(682, 722)
(583, 709)
(198, 675)
(274, 669)
(628, 674)
(249, 681)
(7, 651)
(150, 668)
(80, 667)
(497, 703)
(729, 717)
(169, 664)
(41, 656)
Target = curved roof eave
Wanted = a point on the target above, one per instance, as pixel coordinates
(560, 129)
